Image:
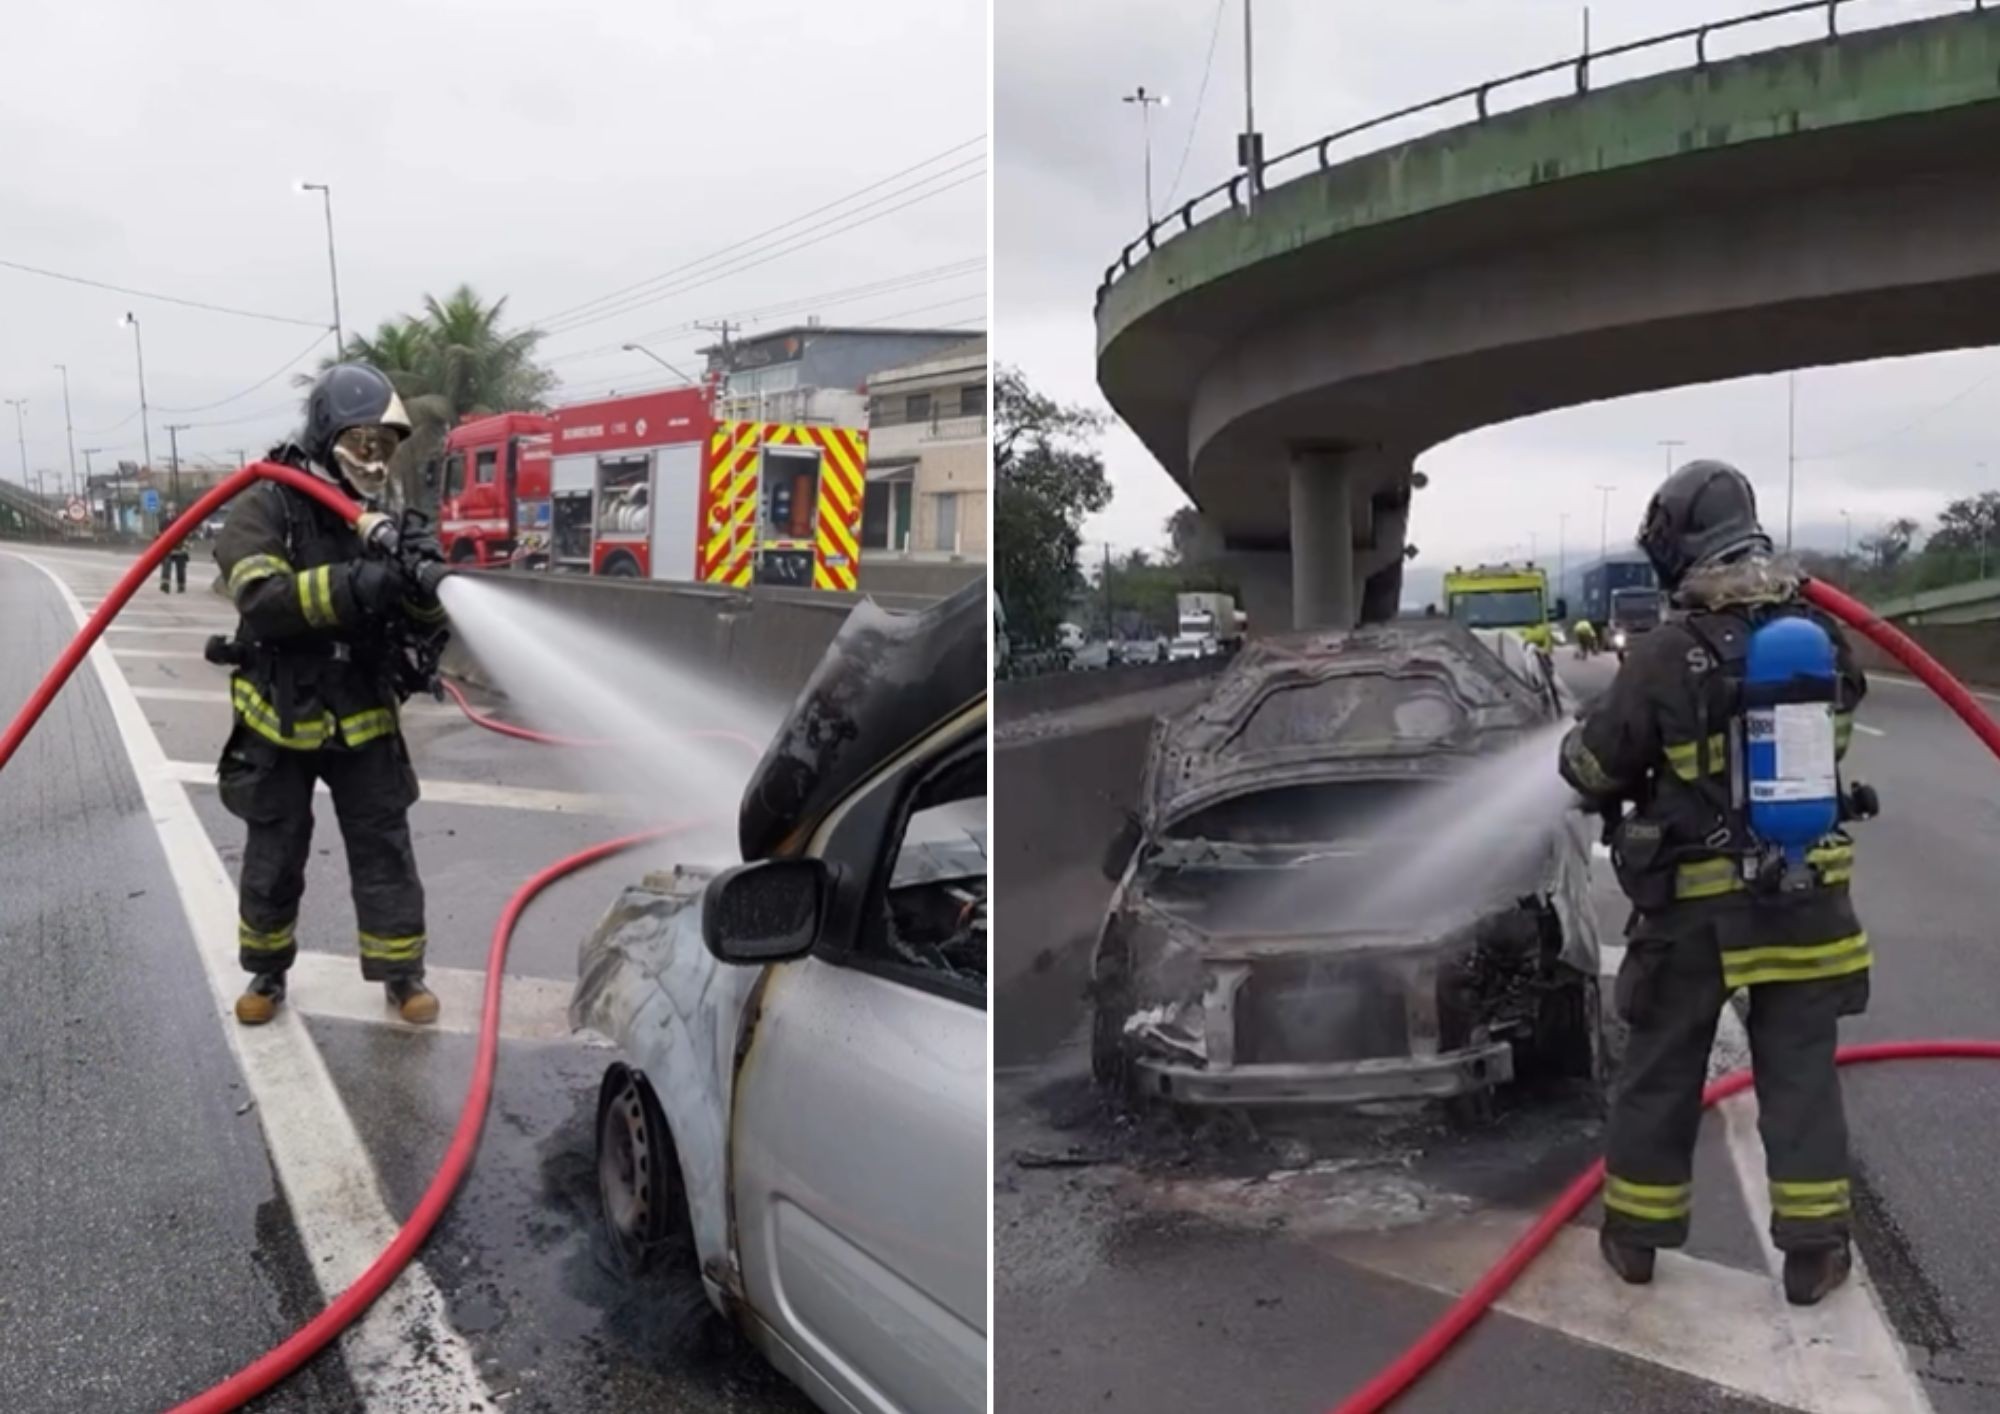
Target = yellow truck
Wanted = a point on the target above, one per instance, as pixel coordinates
(1503, 596)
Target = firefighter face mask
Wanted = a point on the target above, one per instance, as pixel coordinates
(362, 454)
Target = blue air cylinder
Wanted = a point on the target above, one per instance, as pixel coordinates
(1790, 688)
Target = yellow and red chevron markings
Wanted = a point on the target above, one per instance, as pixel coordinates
(735, 460)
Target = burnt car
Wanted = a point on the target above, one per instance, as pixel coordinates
(798, 1112)
(1352, 876)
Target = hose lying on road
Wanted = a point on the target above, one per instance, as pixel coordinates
(1410, 1366)
(267, 1370)
(520, 733)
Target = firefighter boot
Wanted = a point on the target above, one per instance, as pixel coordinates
(1811, 1275)
(1633, 1264)
(416, 1003)
(259, 1002)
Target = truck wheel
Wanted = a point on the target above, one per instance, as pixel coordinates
(638, 1171)
(621, 567)
(463, 551)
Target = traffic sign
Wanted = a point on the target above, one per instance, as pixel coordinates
(150, 500)
(78, 512)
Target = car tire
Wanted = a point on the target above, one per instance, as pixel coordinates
(639, 1188)
(1569, 1029)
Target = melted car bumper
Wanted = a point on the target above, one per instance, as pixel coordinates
(1439, 1076)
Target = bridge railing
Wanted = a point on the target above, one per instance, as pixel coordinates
(1236, 192)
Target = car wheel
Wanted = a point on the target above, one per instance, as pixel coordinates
(638, 1170)
(1569, 1029)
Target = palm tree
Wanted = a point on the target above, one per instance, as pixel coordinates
(454, 360)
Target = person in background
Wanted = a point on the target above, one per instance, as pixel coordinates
(174, 568)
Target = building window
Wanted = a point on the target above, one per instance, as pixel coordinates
(917, 408)
(972, 400)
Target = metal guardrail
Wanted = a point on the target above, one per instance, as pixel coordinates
(1234, 193)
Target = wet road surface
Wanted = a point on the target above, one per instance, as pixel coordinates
(146, 1244)
(1151, 1264)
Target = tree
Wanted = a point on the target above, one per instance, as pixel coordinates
(1047, 478)
(451, 361)
(1183, 532)
(1968, 523)
(1888, 548)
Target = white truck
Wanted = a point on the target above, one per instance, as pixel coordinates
(1209, 623)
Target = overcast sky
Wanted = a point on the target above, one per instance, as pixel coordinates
(553, 151)
(1873, 439)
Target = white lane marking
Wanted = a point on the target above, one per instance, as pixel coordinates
(1867, 730)
(219, 698)
(1716, 1323)
(1898, 680)
(1843, 1354)
(155, 629)
(555, 802)
(325, 985)
(404, 1354)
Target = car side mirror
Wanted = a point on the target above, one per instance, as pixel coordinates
(767, 911)
(1562, 611)
(1118, 853)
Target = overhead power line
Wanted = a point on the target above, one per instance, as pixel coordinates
(1960, 396)
(1194, 123)
(563, 314)
(956, 270)
(764, 258)
(164, 299)
(282, 368)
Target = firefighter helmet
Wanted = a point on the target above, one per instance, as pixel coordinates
(1703, 513)
(354, 423)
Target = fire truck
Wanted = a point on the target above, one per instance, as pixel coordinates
(652, 486)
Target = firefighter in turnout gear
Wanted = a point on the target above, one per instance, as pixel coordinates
(1715, 909)
(317, 690)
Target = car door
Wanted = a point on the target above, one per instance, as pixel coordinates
(858, 1140)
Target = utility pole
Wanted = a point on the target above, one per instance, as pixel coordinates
(332, 265)
(174, 460)
(723, 328)
(1107, 592)
(1847, 551)
(1147, 102)
(69, 428)
(1791, 449)
(1250, 146)
(1604, 523)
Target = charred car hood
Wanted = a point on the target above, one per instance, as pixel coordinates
(885, 682)
(1392, 699)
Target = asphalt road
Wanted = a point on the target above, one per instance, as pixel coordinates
(147, 1245)
(1168, 1267)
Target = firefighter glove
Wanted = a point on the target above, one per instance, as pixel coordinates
(379, 586)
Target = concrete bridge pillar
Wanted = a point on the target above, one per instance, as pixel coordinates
(1324, 589)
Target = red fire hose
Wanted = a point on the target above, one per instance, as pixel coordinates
(266, 1371)
(1410, 1366)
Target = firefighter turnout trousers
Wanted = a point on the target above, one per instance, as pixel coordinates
(1671, 991)
(373, 785)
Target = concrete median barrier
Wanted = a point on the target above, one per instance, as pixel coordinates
(1054, 692)
(1970, 651)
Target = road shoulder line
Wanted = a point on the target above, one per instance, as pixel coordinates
(404, 1354)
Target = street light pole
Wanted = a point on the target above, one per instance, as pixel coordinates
(20, 436)
(1671, 443)
(1249, 147)
(145, 416)
(1791, 449)
(332, 264)
(1604, 523)
(69, 428)
(1562, 553)
(642, 349)
(1847, 551)
(1147, 102)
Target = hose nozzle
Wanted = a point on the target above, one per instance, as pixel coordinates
(378, 532)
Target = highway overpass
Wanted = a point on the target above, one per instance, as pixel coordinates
(1288, 358)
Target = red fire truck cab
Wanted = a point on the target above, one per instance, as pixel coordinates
(494, 502)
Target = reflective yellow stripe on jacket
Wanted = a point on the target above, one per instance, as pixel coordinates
(307, 734)
(1814, 962)
(1684, 757)
(1707, 878)
(252, 568)
(316, 597)
(1651, 1202)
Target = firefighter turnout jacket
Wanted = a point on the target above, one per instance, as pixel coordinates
(1712, 917)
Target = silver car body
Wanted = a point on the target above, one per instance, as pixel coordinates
(831, 1127)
